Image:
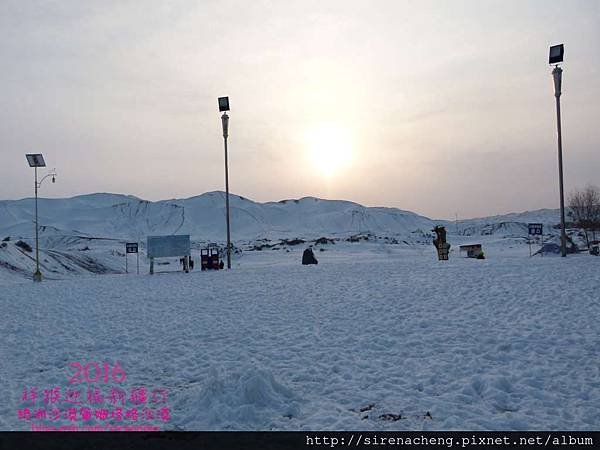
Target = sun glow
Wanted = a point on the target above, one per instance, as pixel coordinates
(329, 148)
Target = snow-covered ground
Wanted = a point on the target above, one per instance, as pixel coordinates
(509, 342)
(87, 234)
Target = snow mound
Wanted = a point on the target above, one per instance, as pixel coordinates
(553, 249)
(245, 399)
(509, 229)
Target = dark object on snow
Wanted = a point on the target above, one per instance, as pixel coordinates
(6, 239)
(221, 265)
(308, 257)
(391, 417)
(259, 247)
(443, 248)
(185, 263)
(25, 246)
(358, 238)
(440, 232)
(191, 264)
(595, 250)
(480, 256)
(209, 259)
(324, 241)
(292, 241)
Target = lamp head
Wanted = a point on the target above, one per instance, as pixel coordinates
(557, 53)
(223, 104)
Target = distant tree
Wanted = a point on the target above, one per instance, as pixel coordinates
(595, 213)
(585, 208)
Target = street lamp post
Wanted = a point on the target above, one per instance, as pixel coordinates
(224, 107)
(37, 160)
(556, 57)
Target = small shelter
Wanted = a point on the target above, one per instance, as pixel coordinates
(472, 250)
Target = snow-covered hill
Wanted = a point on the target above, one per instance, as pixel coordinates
(127, 217)
(514, 224)
(86, 233)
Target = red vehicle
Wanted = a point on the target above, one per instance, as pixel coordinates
(209, 258)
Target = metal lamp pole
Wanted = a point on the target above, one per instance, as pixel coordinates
(36, 160)
(557, 74)
(225, 122)
(37, 275)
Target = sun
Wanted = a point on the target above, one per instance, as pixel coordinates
(329, 148)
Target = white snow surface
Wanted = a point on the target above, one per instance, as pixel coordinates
(506, 343)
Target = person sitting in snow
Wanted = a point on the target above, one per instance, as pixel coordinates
(308, 257)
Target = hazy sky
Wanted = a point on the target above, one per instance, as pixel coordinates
(438, 107)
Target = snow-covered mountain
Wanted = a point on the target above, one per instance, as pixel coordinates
(514, 224)
(125, 217)
(86, 233)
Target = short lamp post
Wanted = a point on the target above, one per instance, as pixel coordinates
(224, 107)
(556, 57)
(37, 160)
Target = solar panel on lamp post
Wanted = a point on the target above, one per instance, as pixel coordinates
(224, 107)
(556, 57)
(36, 160)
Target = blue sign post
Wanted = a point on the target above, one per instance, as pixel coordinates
(132, 247)
(536, 229)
